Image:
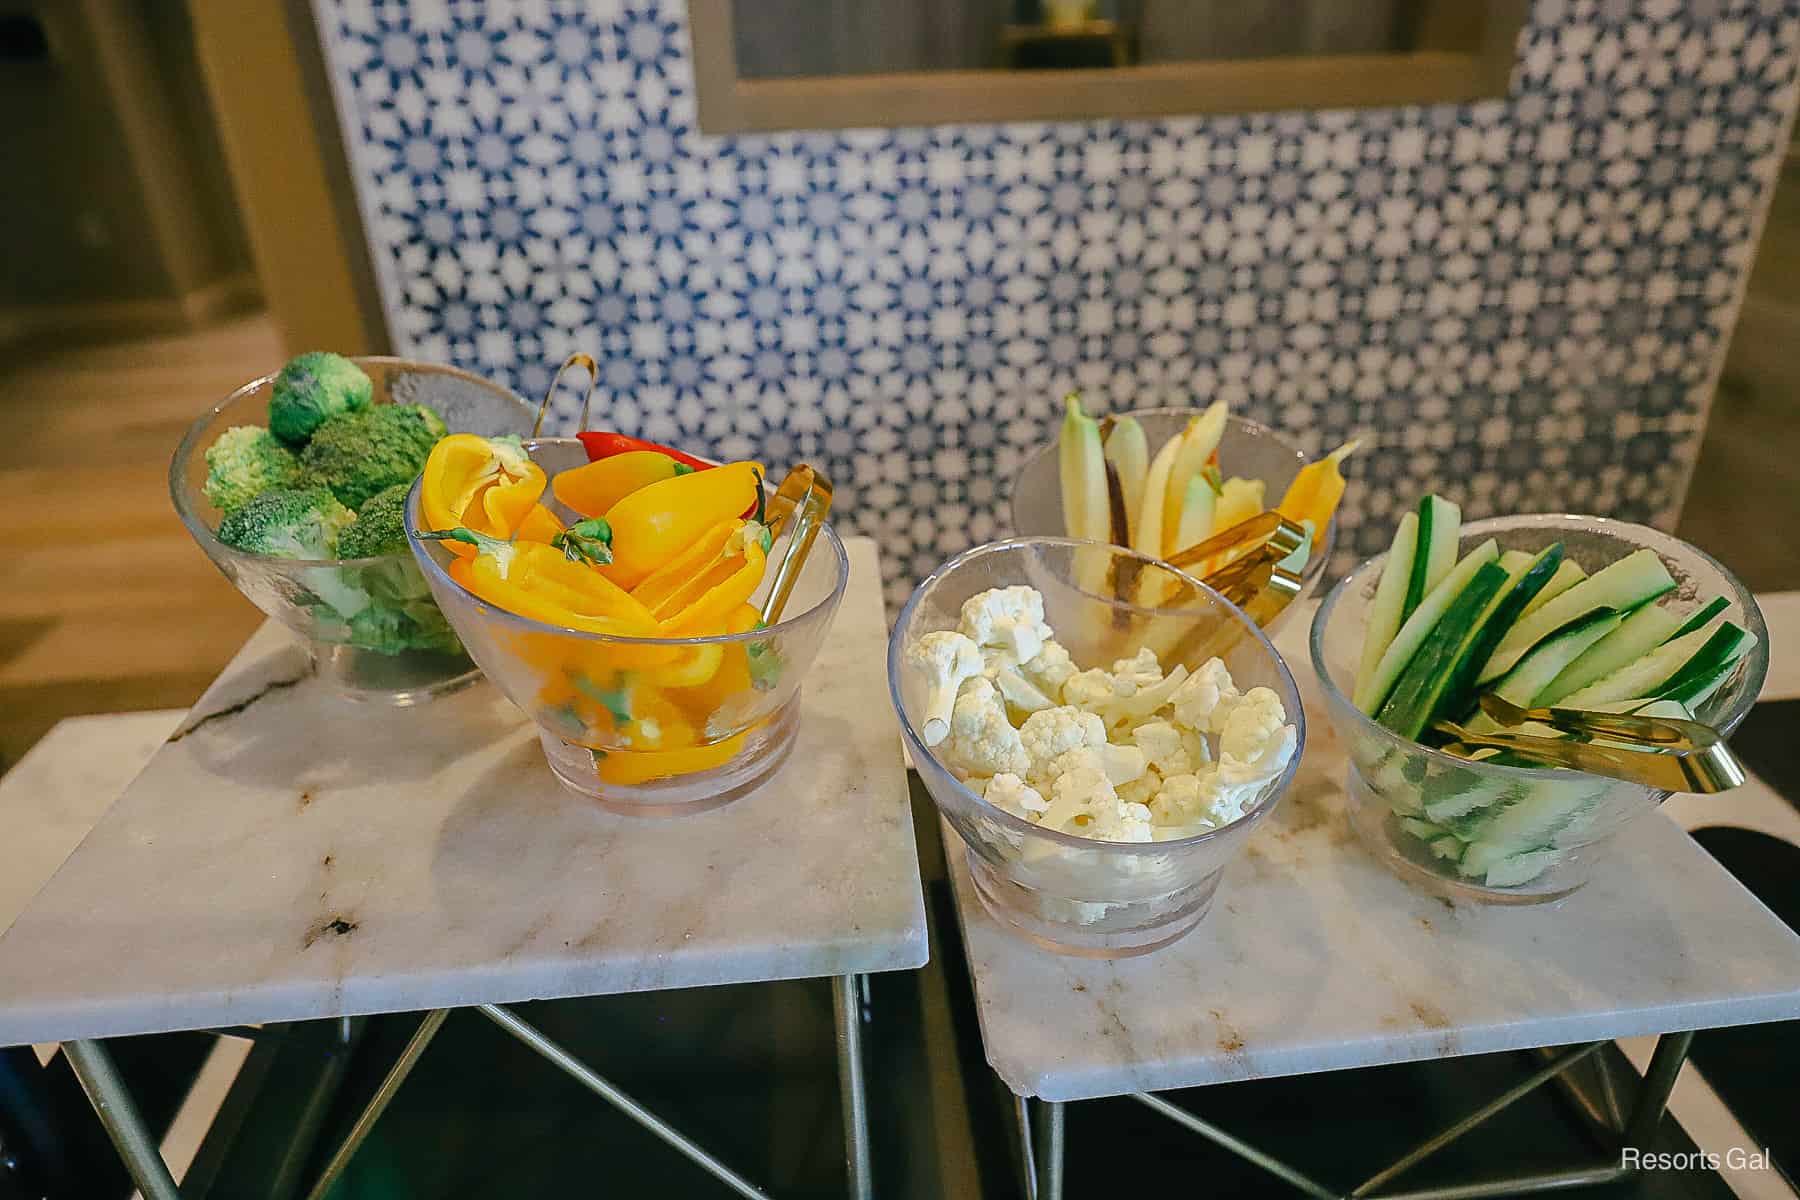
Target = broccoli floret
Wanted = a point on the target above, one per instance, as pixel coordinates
(312, 388)
(392, 630)
(287, 523)
(244, 462)
(380, 526)
(361, 453)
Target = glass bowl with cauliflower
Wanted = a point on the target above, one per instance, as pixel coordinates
(1101, 762)
(295, 486)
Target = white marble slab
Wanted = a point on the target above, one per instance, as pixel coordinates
(1316, 958)
(54, 795)
(293, 856)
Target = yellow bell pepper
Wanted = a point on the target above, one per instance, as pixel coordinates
(731, 678)
(629, 767)
(593, 489)
(1316, 490)
(700, 607)
(657, 522)
(666, 580)
(489, 485)
(538, 581)
(539, 525)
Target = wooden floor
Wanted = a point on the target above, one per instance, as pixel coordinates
(105, 602)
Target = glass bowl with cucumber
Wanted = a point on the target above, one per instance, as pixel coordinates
(1542, 610)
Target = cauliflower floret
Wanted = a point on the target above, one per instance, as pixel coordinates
(1185, 800)
(1252, 726)
(982, 741)
(1141, 670)
(945, 659)
(1121, 823)
(1050, 669)
(1120, 764)
(1048, 733)
(1013, 794)
(1076, 796)
(1092, 689)
(1141, 790)
(1010, 617)
(1199, 700)
(1164, 748)
(1020, 694)
(1147, 700)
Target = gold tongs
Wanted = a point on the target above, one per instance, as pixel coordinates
(1255, 581)
(1666, 753)
(801, 502)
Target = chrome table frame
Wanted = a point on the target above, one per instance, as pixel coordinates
(1043, 1137)
(93, 1066)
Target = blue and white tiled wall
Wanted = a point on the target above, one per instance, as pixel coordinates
(1524, 302)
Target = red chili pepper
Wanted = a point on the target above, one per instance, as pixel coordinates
(604, 445)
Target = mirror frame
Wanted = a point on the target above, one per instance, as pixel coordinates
(1468, 50)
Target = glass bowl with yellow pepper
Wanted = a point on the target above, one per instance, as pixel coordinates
(293, 486)
(1210, 468)
(619, 604)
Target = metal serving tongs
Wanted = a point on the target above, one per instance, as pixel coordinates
(1255, 581)
(586, 363)
(1666, 753)
(801, 503)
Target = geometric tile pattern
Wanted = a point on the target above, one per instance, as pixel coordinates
(1521, 302)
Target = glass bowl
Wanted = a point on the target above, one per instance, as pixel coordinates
(676, 748)
(1247, 449)
(1072, 894)
(310, 597)
(1392, 779)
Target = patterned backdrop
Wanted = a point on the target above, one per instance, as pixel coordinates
(1523, 302)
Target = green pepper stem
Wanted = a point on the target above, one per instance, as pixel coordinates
(465, 535)
(588, 541)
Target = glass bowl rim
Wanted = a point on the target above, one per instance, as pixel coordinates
(435, 570)
(1759, 654)
(916, 745)
(189, 445)
(1321, 556)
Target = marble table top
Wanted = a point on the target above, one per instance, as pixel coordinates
(1316, 958)
(288, 856)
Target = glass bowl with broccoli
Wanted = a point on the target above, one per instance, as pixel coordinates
(295, 486)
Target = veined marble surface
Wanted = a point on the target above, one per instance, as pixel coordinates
(1316, 958)
(289, 855)
(53, 797)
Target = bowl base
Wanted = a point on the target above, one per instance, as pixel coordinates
(1377, 828)
(765, 749)
(1123, 930)
(401, 680)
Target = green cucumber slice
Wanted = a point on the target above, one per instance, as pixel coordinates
(1546, 661)
(1514, 561)
(1568, 574)
(1440, 527)
(1707, 670)
(1387, 609)
(1415, 629)
(1425, 831)
(1522, 868)
(1504, 610)
(1417, 692)
(1708, 611)
(1529, 823)
(1637, 635)
(1644, 676)
(1634, 580)
(1447, 847)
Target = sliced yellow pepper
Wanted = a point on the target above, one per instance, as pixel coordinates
(664, 582)
(732, 677)
(539, 525)
(702, 605)
(536, 580)
(657, 522)
(489, 485)
(1316, 490)
(595, 488)
(629, 767)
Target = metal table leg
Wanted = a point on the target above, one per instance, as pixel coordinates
(1052, 1120)
(378, 1103)
(112, 1104)
(847, 996)
(1659, 1080)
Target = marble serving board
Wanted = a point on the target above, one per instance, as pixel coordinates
(1316, 958)
(289, 855)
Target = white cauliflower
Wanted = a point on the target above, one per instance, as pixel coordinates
(1141, 790)
(1140, 671)
(1076, 798)
(982, 741)
(1091, 689)
(945, 659)
(1020, 694)
(1120, 764)
(1048, 733)
(1164, 748)
(1050, 669)
(1145, 701)
(1252, 727)
(1009, 792)
(1010, 617)
(1198, 701)
(1187, 800)
(1121, 823)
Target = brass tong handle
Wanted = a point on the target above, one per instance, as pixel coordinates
(586, 363)
(1269, 528)
(1653, 733)
(800, 504)
(1705, 770)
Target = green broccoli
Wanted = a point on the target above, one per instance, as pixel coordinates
(312, 388)
(380, 526)
(244, 462)
(391, 630)
(358, 454)
(287, 523)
